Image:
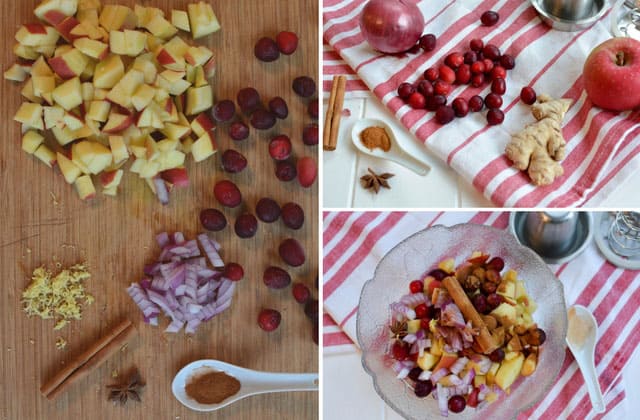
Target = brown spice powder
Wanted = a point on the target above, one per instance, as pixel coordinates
(212, 387)
(375, 137)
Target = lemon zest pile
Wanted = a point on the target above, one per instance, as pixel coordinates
(61, 297)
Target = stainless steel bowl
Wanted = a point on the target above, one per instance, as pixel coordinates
(569, 25)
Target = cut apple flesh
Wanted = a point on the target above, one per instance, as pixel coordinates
(103, 108)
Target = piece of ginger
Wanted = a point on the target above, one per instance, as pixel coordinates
(540, 146)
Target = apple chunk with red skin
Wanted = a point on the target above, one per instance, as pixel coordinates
(612, 74)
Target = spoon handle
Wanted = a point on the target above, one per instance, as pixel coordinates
(408, 161)
(593, 386)
(280, 382)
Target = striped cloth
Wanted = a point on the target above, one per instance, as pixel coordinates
(354, 243)
(602, 149)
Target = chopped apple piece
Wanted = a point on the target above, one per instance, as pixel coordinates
(167, 60)
(69, 170)
(204, 147)
(202, 124)
(142, 97)
(118, 149)
(111, 179)
(99, 111)
(69, 94)
(73, 122)
(145, 14)
(93, 155)
(53, 117)
(66, 26)
(62, 7)
(28, 53)
(43, 85)
(108, 72)
(92, 48)
(31, 115)
(115, 17)
(198, 55)
(210, 68)
(176, 176)
(199, 99)
(84, 187)
(31, 141)
(202, 19)
(45, 155)
(180, 19)
(16, 73)
(64, 135)
(175, 131)
(177, 47)
(128, 42)
(200, 79)
(144, 63)
(35, 34)
(69, 64)
(161, 27)
(27, 92)
(87, 92)
(509, 371)
(123, 91)
(117, 123)
(41, 68)
(87, 28)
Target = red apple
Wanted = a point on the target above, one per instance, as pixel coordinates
(612, 74)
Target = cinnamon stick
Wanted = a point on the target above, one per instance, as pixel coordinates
(484, 338)
(90, 359)
(334, 113)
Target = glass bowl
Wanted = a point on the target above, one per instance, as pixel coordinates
(412, 259)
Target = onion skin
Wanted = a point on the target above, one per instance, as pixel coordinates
(391, 26)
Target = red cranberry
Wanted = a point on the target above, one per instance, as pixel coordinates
(491, 52)
(416, 286)
(238, 131)
(447, 74)
(528, 95)
(280, 109)
(399, 350)
(311, 309)
(312, 109)
(213, 219)
(498, 86)
(495, 263)
(263, 119)
(310, 134)
(287, 42)
(476, 103)
(454, 60)
(445, 114)
(477, 80)
(266, 50)
(480, 303)
(435, 101)
(276, 278)
(267, 210)
(495, 117)
(488, 66)
(438, 274)
(463, 74)
(442, 88)
(304, 86)
(460, 107)
(248, 100)
(233, 271)
(476, 45)
(300, 293)
(286, 171)
(496, 356)
(227, 193)
(269, 319)
(291, 252)
(246, 226)
(431, 74)
(421, 311)
(414, 373)
(494, 300)
(423, 388)
(233, 161)
(489, 18)
(493, 101)
(477, 67)
(427, 42)
(405, 90)
(507, 61)
(307, 171)
(292, 216)
(470, 57)
(224, 110)
(425, 88)
(457, 404)
(498, 72)
(280, 147)
(416, 100)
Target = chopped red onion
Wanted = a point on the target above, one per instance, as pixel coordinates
(458, 365)
(210, 250)
(404, 310)
(484, 390)
(410, 338)
(425, 375)
(413, 299)
(467, 379)
(454, 380)
(443, 396)
(161, 190)
(439, 374)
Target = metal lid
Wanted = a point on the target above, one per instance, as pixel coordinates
(625, 20)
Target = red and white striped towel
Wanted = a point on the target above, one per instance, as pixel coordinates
(354, 243)
(602, 147)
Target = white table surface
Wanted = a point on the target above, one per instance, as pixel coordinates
(442, 187)
(348, 391)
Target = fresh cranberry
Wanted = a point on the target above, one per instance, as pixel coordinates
(476, 103)
(423, 388)
(495, 117)
(405, 90)
(494, 300)
(266, 50)
(497, 355)
(414, 373)
(438, 274)
(233, 271)
(495, 263)
(470, 57)
(435, 101)
(491, 52)
(213, 219)
(280, 147)
(477, 80)
(528, 95)
(493, 101)
(442, 88)
(463, 74)
(421, 310)
(269, 319)
(477, 67)
(292, 215)
(246, 226)
(425, 88)
(300, 293)
(447, 74)
(267, 210)
(276, 278)
(507, 61)
(416, 100)
(457, 404)
(427, 42)
(233, 161)
(227, 193)
(480, 303)
(445, 114)
(431, 74)
(416, 286)
(498, 86)
(489, 18)
(424, 322)
(279, 108)
(454, 60)
(488, 66)
(460, 107)
(476, 45)
(238, 131)
(498, 72)
(399, 351)
(287, 42)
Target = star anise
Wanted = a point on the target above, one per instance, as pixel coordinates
(374, 181)
(131, 389)
(398, 329)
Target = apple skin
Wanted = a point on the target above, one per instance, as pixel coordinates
(609, 84)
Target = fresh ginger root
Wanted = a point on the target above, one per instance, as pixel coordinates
(540, 146)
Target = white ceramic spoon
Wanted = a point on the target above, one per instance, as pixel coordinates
(252, 382)
(396, 153)
(581, 338)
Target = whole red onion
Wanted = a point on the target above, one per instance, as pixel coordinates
(391, 26)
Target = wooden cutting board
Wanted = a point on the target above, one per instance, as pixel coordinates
(44, 222)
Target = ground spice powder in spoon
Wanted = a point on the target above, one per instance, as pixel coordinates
(212, 387)
(375, 137)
